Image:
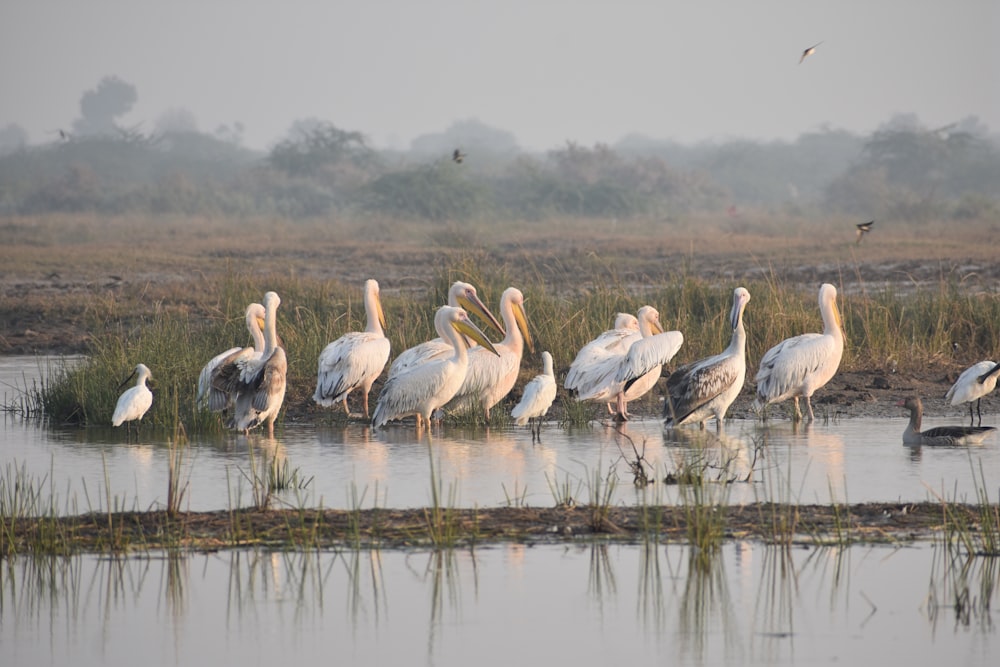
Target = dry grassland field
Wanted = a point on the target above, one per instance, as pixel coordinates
(57, 272)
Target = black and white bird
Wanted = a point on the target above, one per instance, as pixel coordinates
(863, 228)
(975, 382)
(458, 156)
(808, 52)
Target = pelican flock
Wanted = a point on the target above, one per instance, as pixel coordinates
(492, 373)
(426, 387)
(707, 388)
(255, 325)
(134, 401)
(537, 398)
(940, 435)
(975, 382)
(798, 366)
(356, 359)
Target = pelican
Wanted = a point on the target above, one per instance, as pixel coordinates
(422, 389)
(255, 324)
(355, 359)
(800, 365)
(941, 435)
(612, 341)
(709, 386)
(537, 397)
(491, 376)
(629, 375)
(134, 401)
(975, 382)
(260, 383)
(460, 295)
(808, 52)
(863, 228)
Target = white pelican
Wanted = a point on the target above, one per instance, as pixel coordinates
(426, 387)
(355, 359)
(537, 397)
(940, 435)
(975, 382)
(491, 375)
(135, 401)
(630, 375)
(612, 341)
(708, 387)
(260, 383)
(800, 365)
(255, 325)
(460, 295)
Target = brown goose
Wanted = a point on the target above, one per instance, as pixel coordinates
(940, 435)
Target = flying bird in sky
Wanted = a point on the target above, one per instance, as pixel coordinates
(458, 156)
(808, 52)
(863, 228)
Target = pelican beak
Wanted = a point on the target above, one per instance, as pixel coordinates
(467, 328)
(474, 304)
(260, 323)
(126, 380)
(734, 317)
(378, 309)
(522, 323)
(656, 327)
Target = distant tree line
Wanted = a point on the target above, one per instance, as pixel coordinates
(903, 170)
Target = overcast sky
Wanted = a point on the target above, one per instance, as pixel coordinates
(547, 71)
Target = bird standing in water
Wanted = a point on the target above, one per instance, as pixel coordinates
(134, 402)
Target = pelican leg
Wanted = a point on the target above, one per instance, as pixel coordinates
(978, 413)
(809, 406)
(797, 416)
(365, 403)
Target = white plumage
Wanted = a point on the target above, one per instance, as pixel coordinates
(422, 389)
(255, 325)
(460, 295)
(491, 375)
(800, 365)
(355, 359)
(538, 395)
(975, 382)
(135, 401)
(708, 387)
(585, 369)
(260, 384)
(629, 375)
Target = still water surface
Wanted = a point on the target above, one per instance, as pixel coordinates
(564, 604)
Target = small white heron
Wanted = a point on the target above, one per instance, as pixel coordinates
(135, 401)
(537, 398)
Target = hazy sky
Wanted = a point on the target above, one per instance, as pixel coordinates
(547, 71)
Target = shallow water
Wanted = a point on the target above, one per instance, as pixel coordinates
(848, 460)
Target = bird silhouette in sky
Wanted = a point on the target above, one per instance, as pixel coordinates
(808, 52)
(458, 156)
(863, 228)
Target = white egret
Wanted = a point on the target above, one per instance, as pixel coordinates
(355, 359)
(975, 382)
(940, 435)
(800, 365)
(460, 295)
(708, 387)
(255, 325)
(422, 389)
(134, 401)
(537, 397)
(491, 375)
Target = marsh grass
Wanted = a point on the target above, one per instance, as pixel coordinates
(441, 518)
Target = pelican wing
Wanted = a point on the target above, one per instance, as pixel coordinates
(583, 371)
(348, 362)
(786, 365)
(431, 350)
(205, 376)
(407, 393)
(269, 382)
(647, 354)
(226, 380)
(694, 385)
(488, 373)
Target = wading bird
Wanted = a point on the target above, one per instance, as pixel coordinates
(800, 365)
(460, 295)
(808, 52)
(424, 388)
(260, 383)
(536, 399)
(940, 435)
(863, 228)
(585, 370)
(355, 359)
(708, 387)
(255, 325)
(975, 382)
(134, 402)
(629, 376)
(491, 375)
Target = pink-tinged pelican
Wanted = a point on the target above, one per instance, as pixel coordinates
(708, 387)
(800, 365)
(135, 401)
(355, 359)
(260, 383)
(491, 376)
(255, 325)
(630, 375)
(460, 295)
(975, 382)
(585, 370)
(940, 435)
(422, 389)
(537, 398)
